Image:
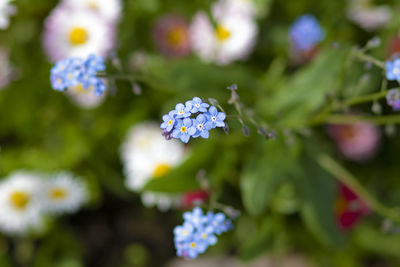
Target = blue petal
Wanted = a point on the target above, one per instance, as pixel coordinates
(179, 106)
(213, 110)
(185, 138)
(201, 118)
(205, 134)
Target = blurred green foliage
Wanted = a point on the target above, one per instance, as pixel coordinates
(286, 198)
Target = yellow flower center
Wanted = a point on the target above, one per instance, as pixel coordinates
(204, 236)
(93, 5)
(176, 36)
(222, 33)
(78, 36)
(161, 170)
(58, 193)
(19, 199)
(180, 112)
(183, 129)
(79, 89)
(192, 245)
(169, 122)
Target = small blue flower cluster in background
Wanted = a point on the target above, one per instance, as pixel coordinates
(393, 70)
(306, 32)
(179, 124)
(393, 99)
(76, 71)
(199, 231)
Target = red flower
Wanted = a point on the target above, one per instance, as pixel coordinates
(194, 198)
(394, 46)
(349, 207)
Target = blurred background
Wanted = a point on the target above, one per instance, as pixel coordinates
(293, 211)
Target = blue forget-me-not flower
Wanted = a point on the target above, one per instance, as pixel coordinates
(183, 130)
(393, 70)
(393, 99)
(74, 71)
(199, 231)
(181, 124)
(306, 32)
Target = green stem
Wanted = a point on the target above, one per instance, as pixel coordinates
(352, 119)
(320, 118)
(349, 180)
(370, 59)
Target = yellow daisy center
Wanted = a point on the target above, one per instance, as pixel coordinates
(161, 170)
(222, 33)
(78, 36)
(93, 5)
(19, 199)
(183, 129)
(175, 36)
(58, 193)
(79, 89)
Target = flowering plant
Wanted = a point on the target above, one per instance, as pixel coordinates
(270, 125)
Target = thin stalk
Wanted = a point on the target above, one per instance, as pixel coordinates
(320, 118)
(352, 119)
(366, 58)
(345, 177)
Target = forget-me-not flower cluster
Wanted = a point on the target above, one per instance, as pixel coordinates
(199, 231)
(306, 32)
(194, 119)
(393, 99)
(76, 71)
(393, 70)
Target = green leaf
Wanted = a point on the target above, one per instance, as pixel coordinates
(375, 241)
(257, 240)
(263, 173)
(306, 91)
(318, 191)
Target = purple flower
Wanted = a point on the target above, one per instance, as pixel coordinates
(393, 99)
(171, 36)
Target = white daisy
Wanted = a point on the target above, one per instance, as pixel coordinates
(20, 209)
(368, 16)
(63, 193)
(109, 9)
(223, 8)
(232, 39)
(76, 33)
(146, 154)
(6, 10)
(84, 98)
